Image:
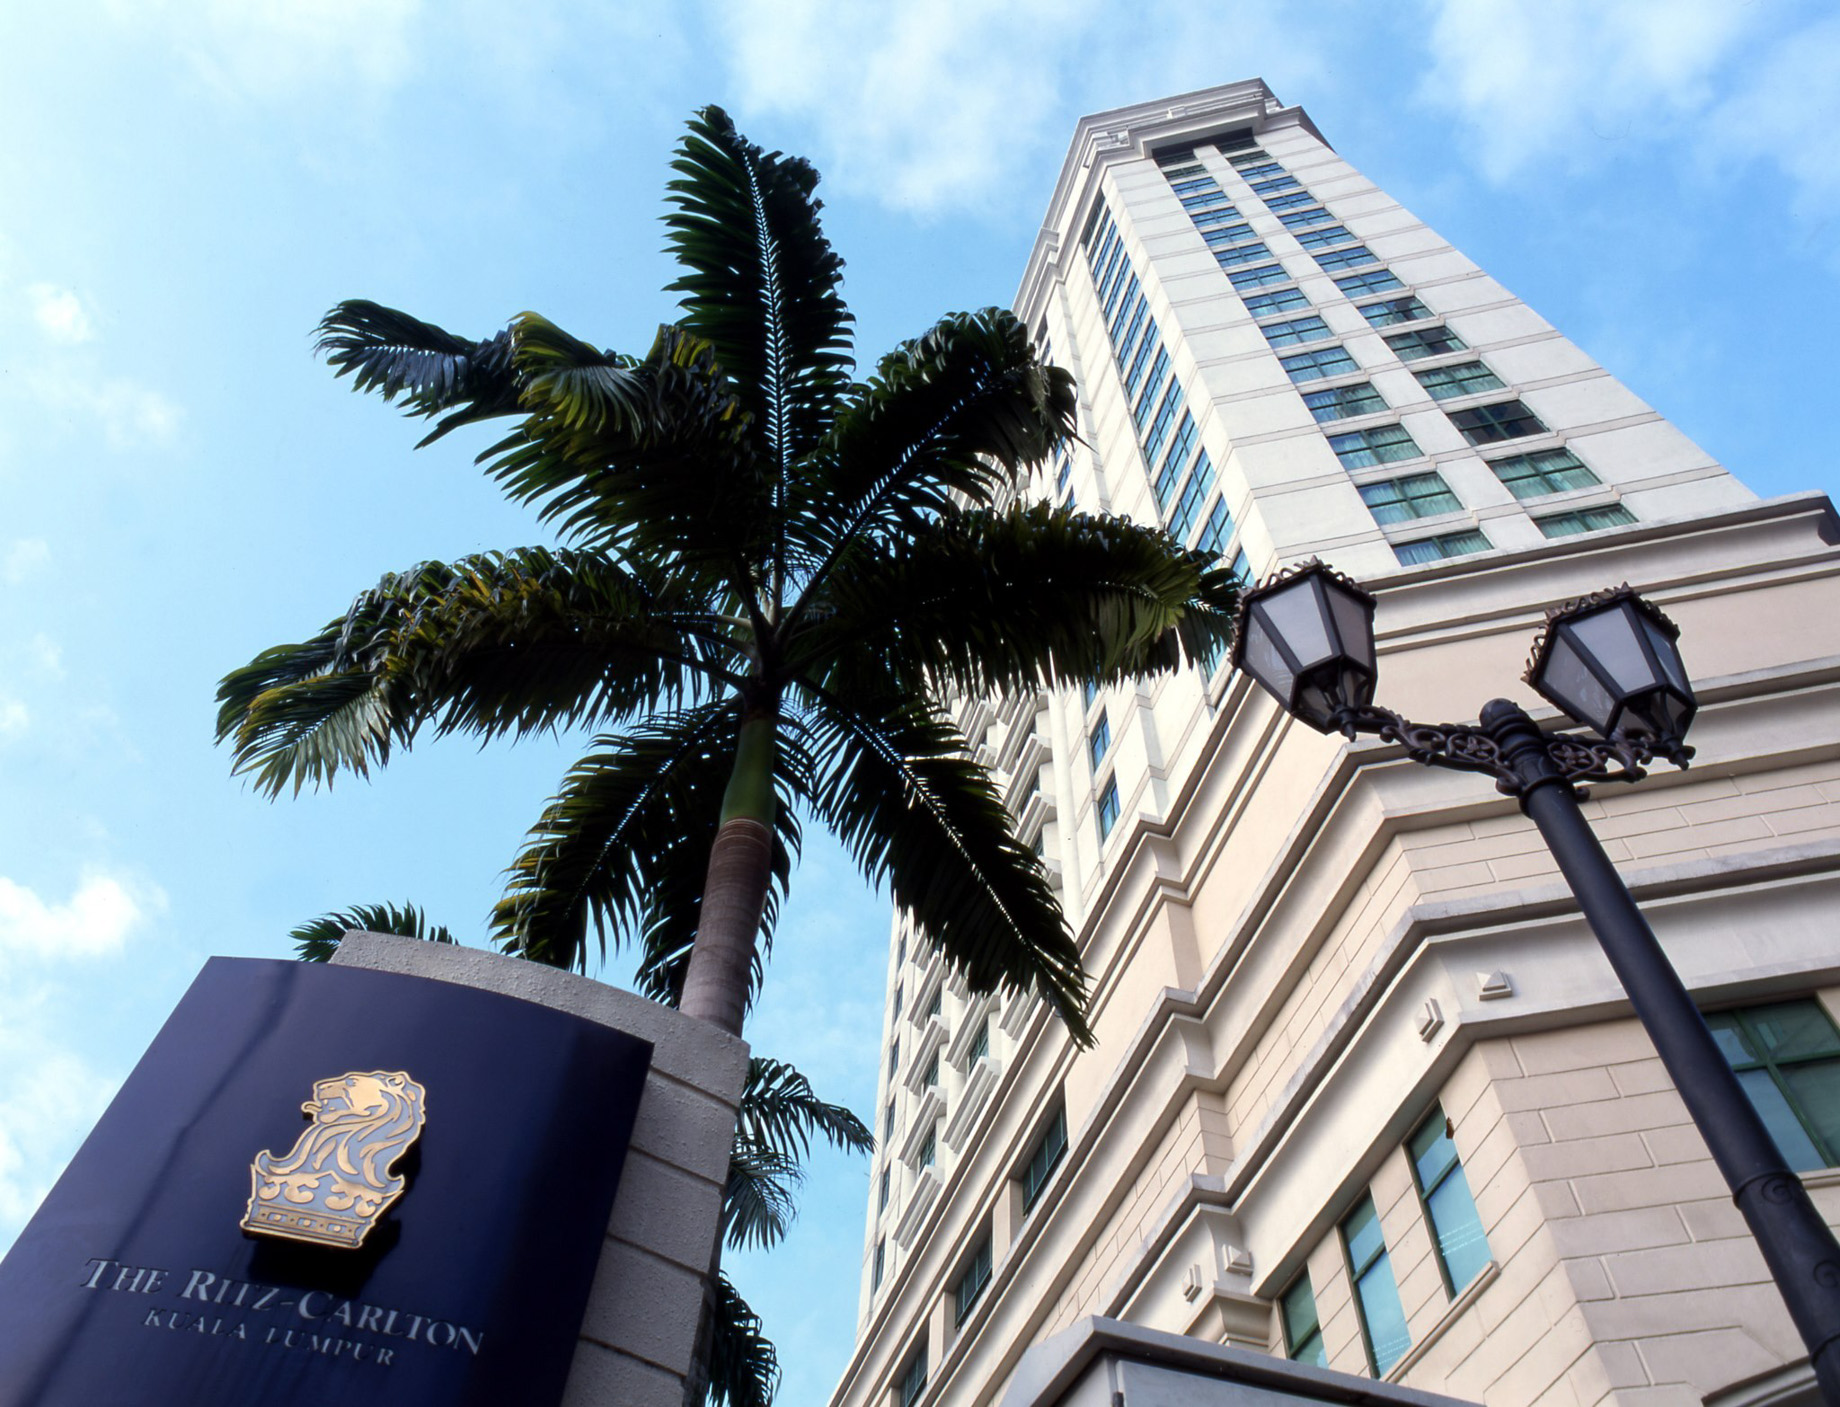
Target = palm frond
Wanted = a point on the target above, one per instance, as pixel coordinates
(624, 847)
(760, 282)
(779, 1109)
(743, 1363)
(1023, 598)
(318, 939)
(647, 457)
(495, 644)
(430, 368)
(758, 1201)
(955, 415)
(896, 788)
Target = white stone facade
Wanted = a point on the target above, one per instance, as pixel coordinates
(1298, 947)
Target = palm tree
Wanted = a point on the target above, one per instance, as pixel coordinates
(779, 1115)
(772, 575)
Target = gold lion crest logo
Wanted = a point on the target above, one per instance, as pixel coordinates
(339, 1179)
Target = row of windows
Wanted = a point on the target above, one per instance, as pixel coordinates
(1787, 1058)
(1045, 1155)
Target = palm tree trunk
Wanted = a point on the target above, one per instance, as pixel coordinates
(735, 889)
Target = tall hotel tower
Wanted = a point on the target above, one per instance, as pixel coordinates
(1365, 1094)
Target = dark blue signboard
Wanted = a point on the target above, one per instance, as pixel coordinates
(425, 1232)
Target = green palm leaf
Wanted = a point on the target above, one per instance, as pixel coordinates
(624, 845)
(318, 939)
(431, 368)
(896, 787)
(743, 1363)
(1029, 597)
(760, 282)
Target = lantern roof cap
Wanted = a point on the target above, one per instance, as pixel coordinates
(1583, 605)
(1279, 578)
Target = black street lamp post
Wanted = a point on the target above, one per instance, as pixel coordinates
(1610, 661)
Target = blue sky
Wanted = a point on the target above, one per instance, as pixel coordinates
(185, 185)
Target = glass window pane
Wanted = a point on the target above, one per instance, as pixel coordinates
(1459, 1230)
(1792, 1139)
(1362, 1232)
(1433, 1154)
(1815, 1087)
(1382, 1315)
(1792, 1030)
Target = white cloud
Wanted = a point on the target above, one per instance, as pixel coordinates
(1786, 111)
(46, 655)
(129, 415)
(97, 918)
(22, 558)
(940, 104)
(1539, 84)
(266, 50)
(47, 1104)
(59, 313)
(14, 720)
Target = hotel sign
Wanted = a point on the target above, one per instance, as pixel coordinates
(422, 1227)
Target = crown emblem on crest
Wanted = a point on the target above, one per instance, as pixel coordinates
(338, 1180)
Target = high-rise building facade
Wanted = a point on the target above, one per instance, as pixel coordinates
(1365, 1094)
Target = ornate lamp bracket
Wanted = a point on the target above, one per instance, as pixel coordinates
(1463, 748)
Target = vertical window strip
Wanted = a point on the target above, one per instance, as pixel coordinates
(1303, 1341)
(1376, 1292)
(1462, 1247)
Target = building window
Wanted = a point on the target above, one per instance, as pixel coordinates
(1277, 184)
(1192, 182)
(881, 1260)
(1414, 496)
(1134, 375)
(881, 1196)
(1373, 281)
(1787, 1057)
(1158, 373)
(1464, 379)
(1063, 474)
(1270, 305)
(1395, 310)
(1259, 277)
(1586, 520)
(1289, 334)
(929, 1151)
(1325, 238)
(1292, 202)
(894, 1057)
(1217, 531)
(1215, 199)
(932, 1071)
(1108, 808)
(1165, 417)
(1505, 420)
(1249, 157)
(1376, 1293)
(980, 1044)
(913, 1378)
(1228, 234)
(1305, 219)
(1302, 1334)
(1383, 444)
(1208, 219)
(1426, 342)
(933, 1007)
(1241, 569)
(1350, 258)
(1462, 1247)
(1049, 1149)
(1099, 740)
(1174, 462)
(1241, 254)
(1342, 402)
(888, 1119)
(1434, 549)
(1325, 361)
(1542, 472)
(971, 1284)
(1258, 170)
(1194, 494)
(897, 1003)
